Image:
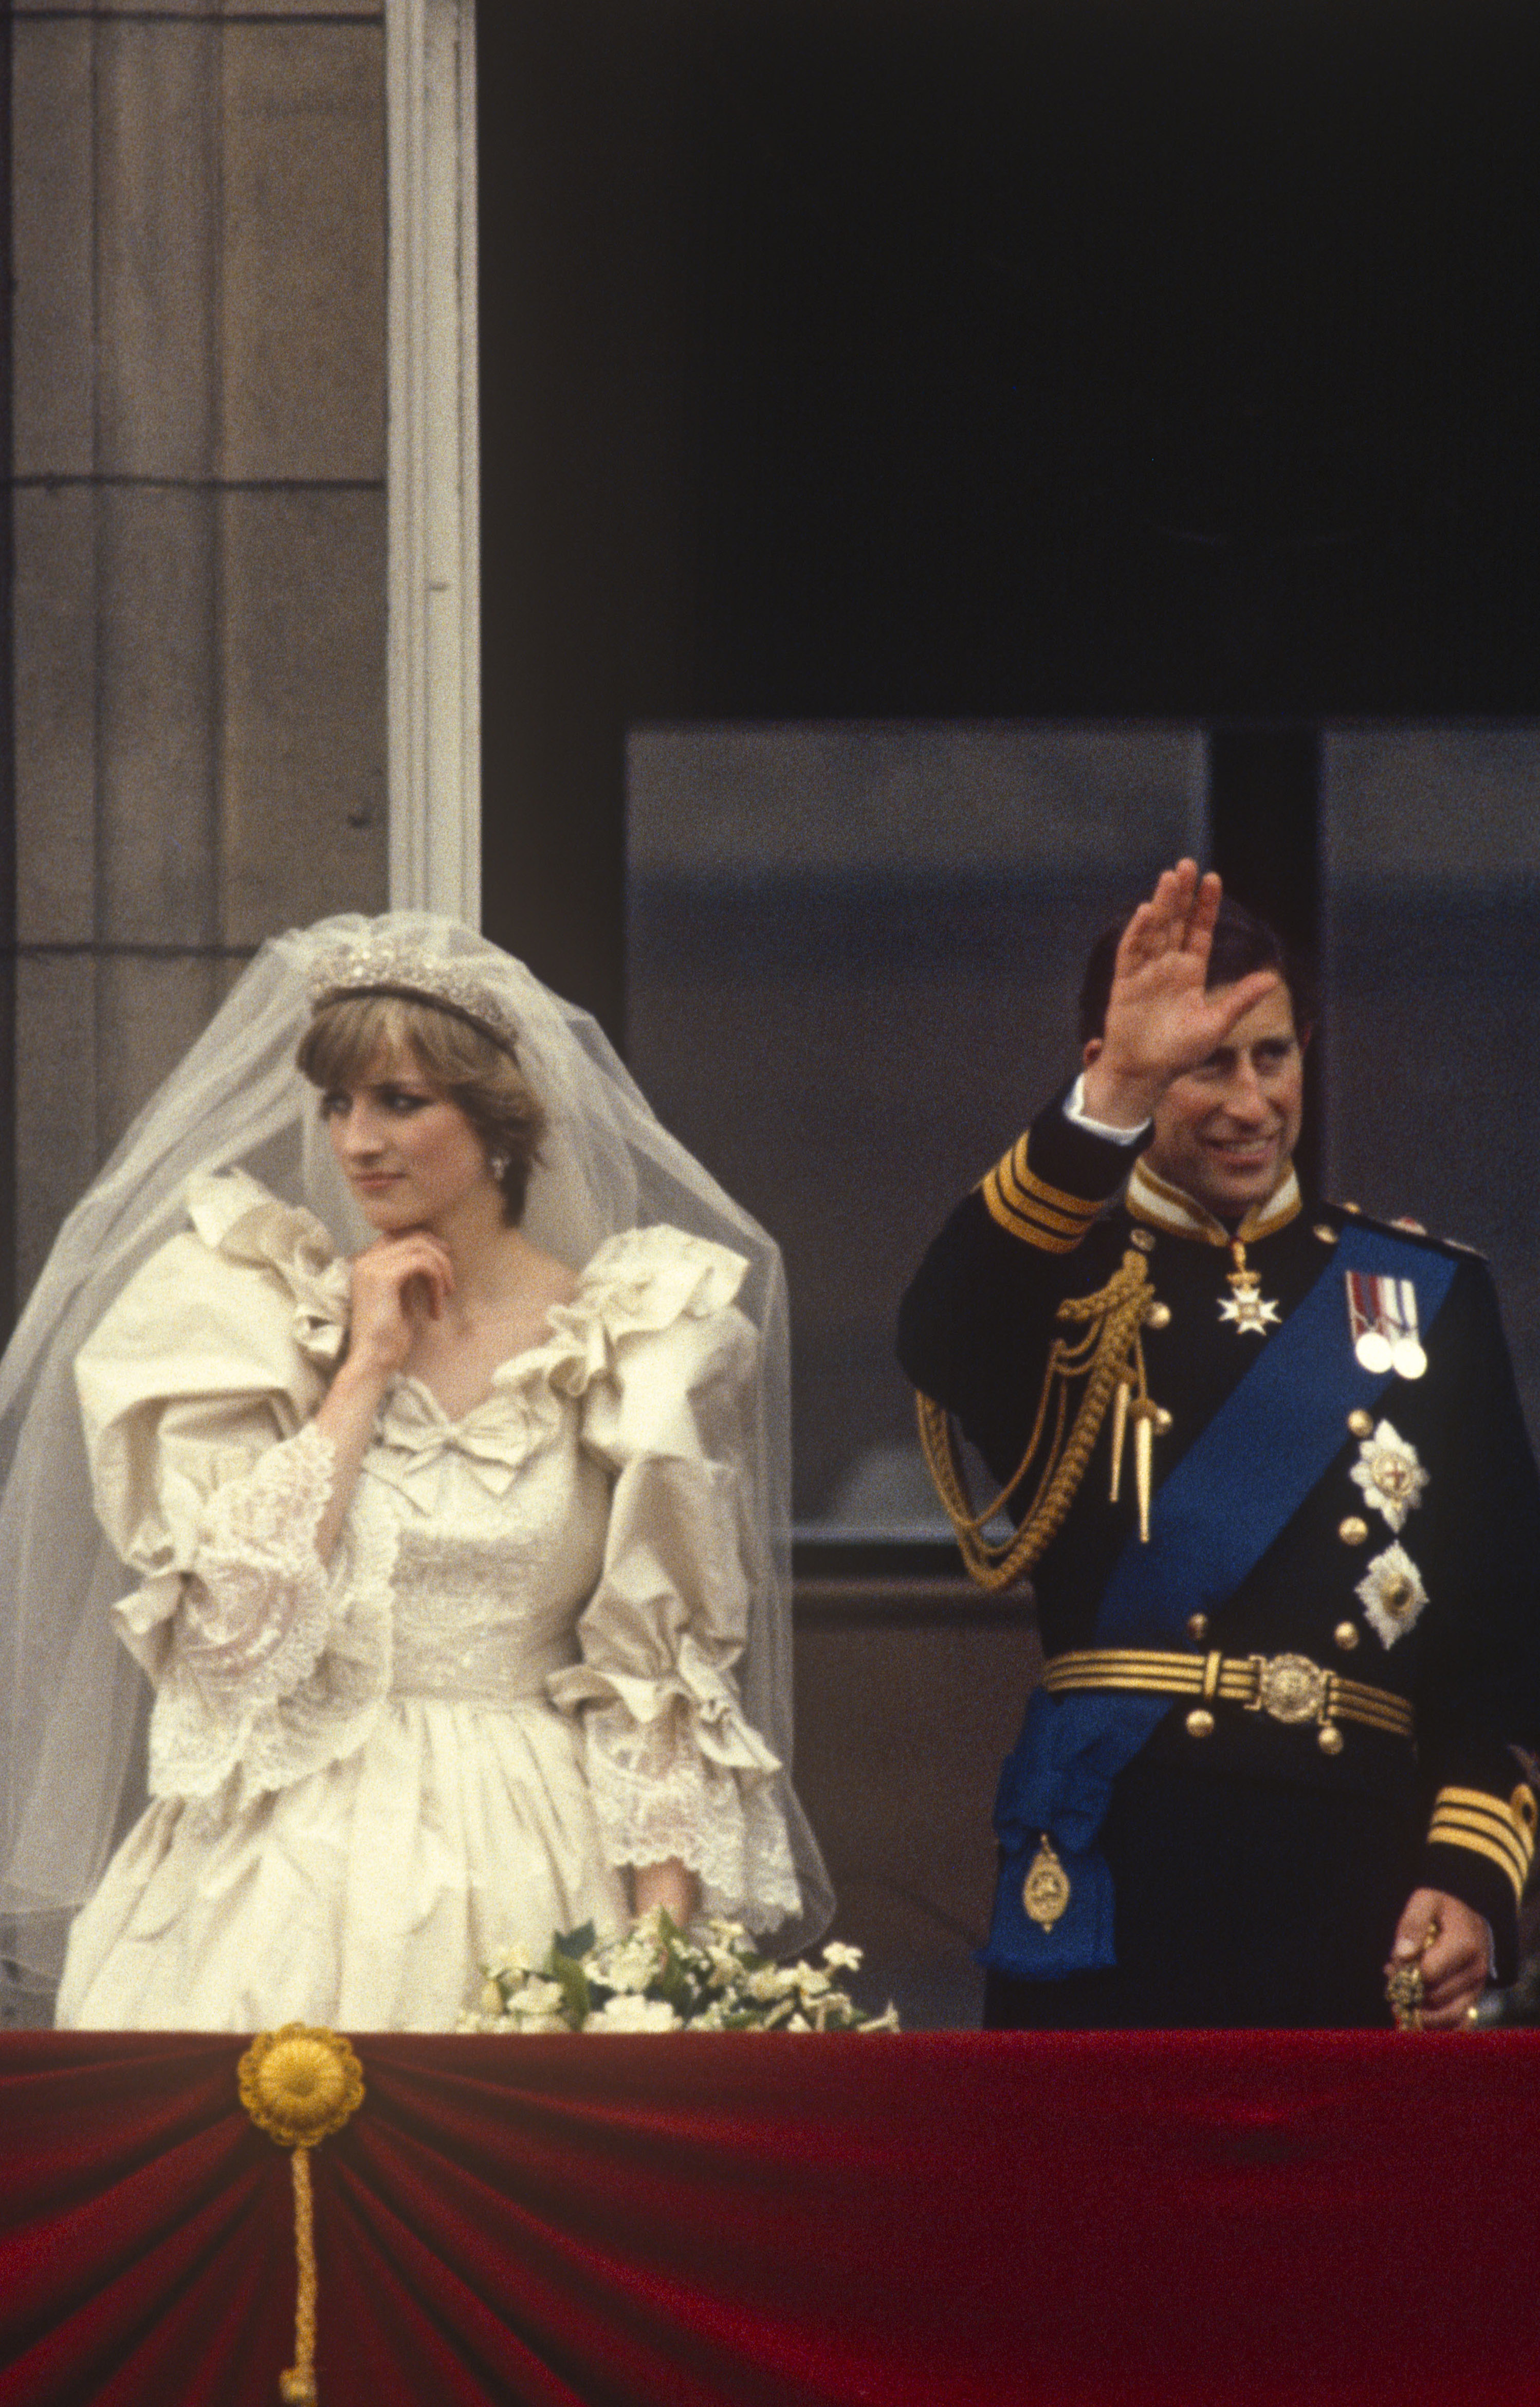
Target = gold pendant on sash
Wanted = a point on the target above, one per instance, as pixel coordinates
(1247, 1308)
(1044, 1892)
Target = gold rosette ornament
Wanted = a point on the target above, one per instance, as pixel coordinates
(299, 2085)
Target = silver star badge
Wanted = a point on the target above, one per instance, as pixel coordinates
(1392, 1477)
(1392, 1594)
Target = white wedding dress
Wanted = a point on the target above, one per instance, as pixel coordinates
(513, 1679)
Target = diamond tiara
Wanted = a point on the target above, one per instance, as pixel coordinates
(386, 966)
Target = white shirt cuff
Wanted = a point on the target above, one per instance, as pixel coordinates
(1075, 1109)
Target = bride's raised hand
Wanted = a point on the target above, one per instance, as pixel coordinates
(396, 1283)
(1161, 1019)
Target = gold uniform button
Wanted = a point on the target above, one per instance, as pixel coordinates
(1157, 1317)
(1352, 1532)
(1361, 1423)
(1329, 1739)
(1346, 1634)
(1328, 1236)
(1200, 1722)
(1142, 1238)
(1197, 1627)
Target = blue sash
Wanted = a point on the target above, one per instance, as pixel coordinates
(1235, 1488)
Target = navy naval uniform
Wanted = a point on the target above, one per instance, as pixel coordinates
(1231, 1867)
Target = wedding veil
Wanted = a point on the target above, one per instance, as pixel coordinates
(72, 1702)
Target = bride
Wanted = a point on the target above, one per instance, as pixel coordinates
(434, 1403)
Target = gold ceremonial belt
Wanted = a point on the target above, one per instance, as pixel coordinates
(1286, 1688)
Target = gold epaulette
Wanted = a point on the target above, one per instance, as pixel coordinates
(1500, 1829)
(1026, 1206)
(1109, 1358)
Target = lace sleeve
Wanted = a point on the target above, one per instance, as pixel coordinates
(656, 1795)
(253, 1617)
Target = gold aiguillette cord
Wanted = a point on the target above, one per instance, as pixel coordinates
(1109, 1358)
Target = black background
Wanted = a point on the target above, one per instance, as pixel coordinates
(915, 358)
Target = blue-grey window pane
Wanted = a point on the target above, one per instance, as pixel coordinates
(853, 957)
(1433, 1003)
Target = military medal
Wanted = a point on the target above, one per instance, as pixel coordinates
(1382, 1320)
(1044, 1892)
(1247, 1308)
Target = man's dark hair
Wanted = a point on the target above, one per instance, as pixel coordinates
(1242, 943)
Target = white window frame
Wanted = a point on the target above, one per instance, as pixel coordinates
(433, 679)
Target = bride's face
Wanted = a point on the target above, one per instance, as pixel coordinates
(409, 1154)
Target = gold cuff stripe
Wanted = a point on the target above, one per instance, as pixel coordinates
(1027, 1207)
(1021, 1183)
(1490, 1825)
(1482, 1801)
(1454, 1829)
(1015, 1224)
(1064, 1224)
(1442, 1833)
(1472, 1817)
(1502, 1813)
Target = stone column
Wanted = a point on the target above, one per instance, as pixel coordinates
(200, 530)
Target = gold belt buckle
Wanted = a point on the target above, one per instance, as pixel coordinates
(1290, 1688)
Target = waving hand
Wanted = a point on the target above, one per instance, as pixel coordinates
(1161, 1019)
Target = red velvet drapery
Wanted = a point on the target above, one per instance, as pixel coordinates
(1172, 2219)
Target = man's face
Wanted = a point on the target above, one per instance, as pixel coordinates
(1224, 1130)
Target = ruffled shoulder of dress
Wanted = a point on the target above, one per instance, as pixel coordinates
(221, 1344)
(251, 1299)
(239, 1220)
(641, 1281)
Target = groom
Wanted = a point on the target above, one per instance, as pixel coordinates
(1266, 1464)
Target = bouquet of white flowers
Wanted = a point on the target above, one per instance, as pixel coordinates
(659, 1978)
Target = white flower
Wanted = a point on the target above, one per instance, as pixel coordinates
(723, 1980)
(629, 2013)
(776, 1981)
(535, 1998)
(632, 1964)
(840, 1958)
(1392, 1594)
(1392, 1477)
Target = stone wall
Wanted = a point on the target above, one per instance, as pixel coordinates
(200, 530)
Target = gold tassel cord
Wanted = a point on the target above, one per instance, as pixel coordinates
(299, 2085)
(297, 2385)
(1110, 1358)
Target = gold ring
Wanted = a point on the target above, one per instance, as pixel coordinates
(1473, 2014)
